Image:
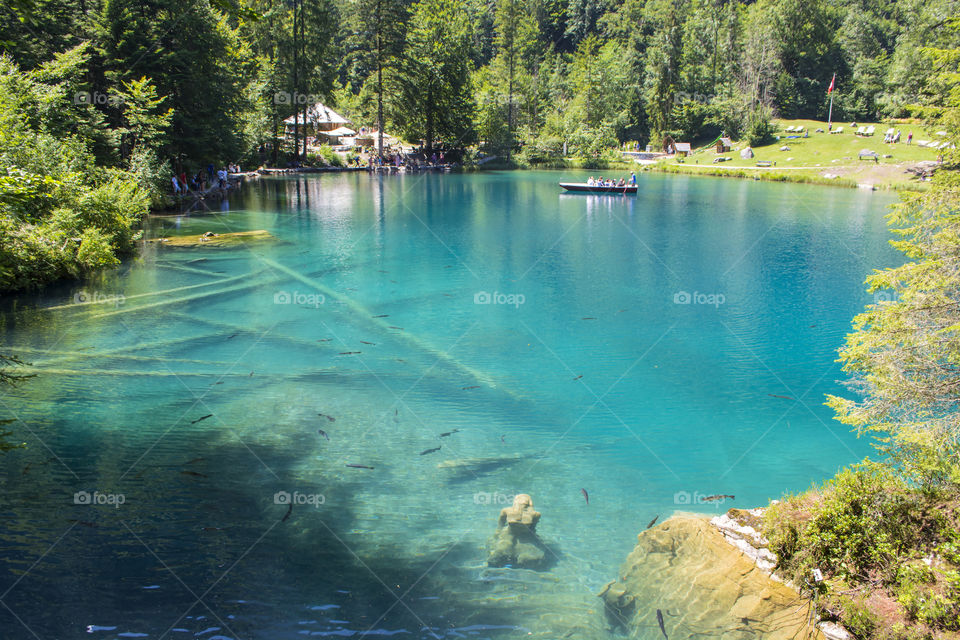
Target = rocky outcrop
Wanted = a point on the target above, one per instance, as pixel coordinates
(516, 543)
(703, 586)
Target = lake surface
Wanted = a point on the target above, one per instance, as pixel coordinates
(649, 350)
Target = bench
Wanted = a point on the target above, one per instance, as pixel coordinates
(766, 163)
(868, 155)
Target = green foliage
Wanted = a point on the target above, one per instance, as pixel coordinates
(858, 619)
(862, 520)
(760, 128)
(60, 215)
(327, 156)
(868, 531)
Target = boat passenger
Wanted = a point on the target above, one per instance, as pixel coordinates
(633, 179)
(591, 182)
(622, 183)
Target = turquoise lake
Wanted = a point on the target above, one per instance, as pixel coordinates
(649, 350)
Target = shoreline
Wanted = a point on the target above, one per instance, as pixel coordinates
(803, 175)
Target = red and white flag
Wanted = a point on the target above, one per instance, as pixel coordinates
(832, 80)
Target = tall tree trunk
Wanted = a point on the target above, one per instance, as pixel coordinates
(429, 128)
(303, 52)
(379, 83)
(510, 107)
(296, 86)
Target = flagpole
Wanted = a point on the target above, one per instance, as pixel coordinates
(830, 114)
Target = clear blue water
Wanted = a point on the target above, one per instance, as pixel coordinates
(585, 371)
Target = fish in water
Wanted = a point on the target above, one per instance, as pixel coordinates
(212, 529)
(194, 461)
(350, 353)
(426, 451)
(586, 496)
(503, 439)
(359, 466)
(324, 339)
(654, 521)
(330, 418)
(82, 522)
(476, 386)
(233, 336)
(386, 315)
(719, 496)
(26, 469)
(194, 474)
(448, 433)
(578, 377)
(216, 383)
(392, 327)
(588, 318)
(201, 419)
(773, 395)
(660, 622)
(287, 514)
(372, 344)
(323, 433)
(251, 374)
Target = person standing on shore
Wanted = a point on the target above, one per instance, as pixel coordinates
(909, 137)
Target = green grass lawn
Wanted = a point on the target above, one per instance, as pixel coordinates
(822, 157)
(823, 150)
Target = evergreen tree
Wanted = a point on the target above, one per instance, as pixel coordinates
(433, 84)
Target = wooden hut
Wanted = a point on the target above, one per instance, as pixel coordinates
(724, 145)
(675, 148)
(320, 118)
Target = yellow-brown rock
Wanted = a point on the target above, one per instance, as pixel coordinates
(516, 543)
(704, 587)
(210, 239)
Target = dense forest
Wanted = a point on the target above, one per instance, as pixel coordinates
(101, 101)
(509, 75)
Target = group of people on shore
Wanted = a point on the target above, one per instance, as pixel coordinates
(608, 182)
(203, 181)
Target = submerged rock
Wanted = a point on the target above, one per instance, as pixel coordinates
(704, 587)
(516, 542)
